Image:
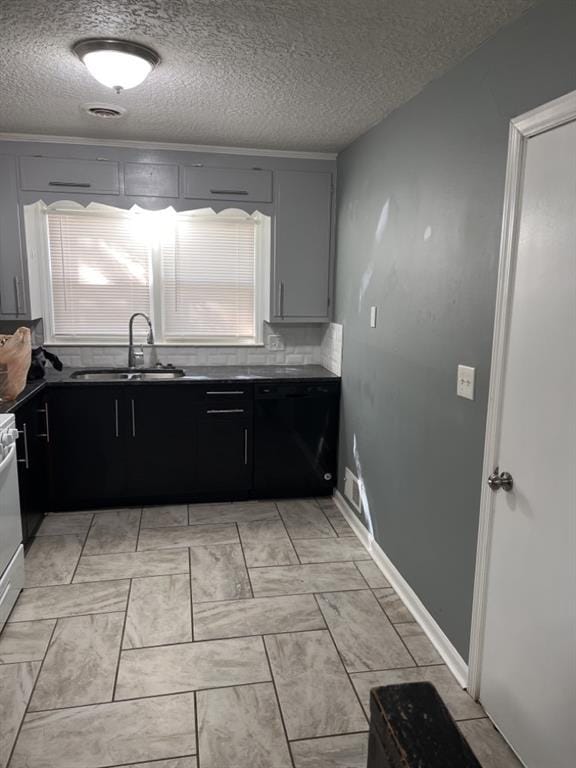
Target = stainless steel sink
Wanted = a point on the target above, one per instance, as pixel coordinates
(128, 374)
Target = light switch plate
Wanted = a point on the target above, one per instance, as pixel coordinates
(465, 385)
(373, 316)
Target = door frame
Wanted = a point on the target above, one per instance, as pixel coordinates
(544, 118)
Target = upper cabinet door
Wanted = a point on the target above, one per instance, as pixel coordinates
(54, 174)
(12, 295)
(151, 180)
(227, 184)
(302, 247)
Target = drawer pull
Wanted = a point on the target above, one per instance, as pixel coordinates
(46, 434)
(227, 392)
(228, 192)
(83, 184)
(226, 410)
(26, 459)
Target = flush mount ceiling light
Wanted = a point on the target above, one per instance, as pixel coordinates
(118, 64)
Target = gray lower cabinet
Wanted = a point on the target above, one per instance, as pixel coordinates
(301, 271)
(12, 296)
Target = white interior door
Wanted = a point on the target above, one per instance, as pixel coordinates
(528, 667)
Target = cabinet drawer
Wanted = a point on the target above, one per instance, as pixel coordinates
(227, 184)
(236, 391)
(151, 180)
(49, 174)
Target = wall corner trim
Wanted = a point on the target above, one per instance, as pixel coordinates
(447, 651)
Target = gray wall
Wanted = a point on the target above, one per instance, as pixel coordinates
(419, 216)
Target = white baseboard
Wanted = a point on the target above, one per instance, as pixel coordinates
(450, 655)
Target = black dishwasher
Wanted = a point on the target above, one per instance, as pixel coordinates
(296, 438)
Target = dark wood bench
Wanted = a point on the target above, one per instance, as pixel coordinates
(410, 727)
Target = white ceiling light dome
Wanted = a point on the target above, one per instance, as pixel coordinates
(117, 64)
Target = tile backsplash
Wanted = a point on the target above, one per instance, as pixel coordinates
(331, 348)
(301, 345)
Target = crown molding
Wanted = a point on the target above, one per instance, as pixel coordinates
(129, 144)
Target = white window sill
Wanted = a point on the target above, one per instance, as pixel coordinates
(162, 345)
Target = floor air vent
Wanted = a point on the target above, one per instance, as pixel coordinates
(352, 490)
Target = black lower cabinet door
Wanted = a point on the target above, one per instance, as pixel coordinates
(161, 440)
(32, 422)
(87, 446)
(225, 450)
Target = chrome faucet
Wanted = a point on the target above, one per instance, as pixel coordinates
(132, 355)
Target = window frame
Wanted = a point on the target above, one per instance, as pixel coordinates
(37, 240)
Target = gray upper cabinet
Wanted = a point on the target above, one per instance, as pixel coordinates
(12, 296)
(52, 174)
(302, 247)
(151, 180)
(227, 184)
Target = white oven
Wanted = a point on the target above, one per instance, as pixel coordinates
(11, 549)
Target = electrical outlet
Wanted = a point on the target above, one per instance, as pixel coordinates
(275, 342)
(465, 384)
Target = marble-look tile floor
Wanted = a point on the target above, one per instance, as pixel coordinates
(243, 635)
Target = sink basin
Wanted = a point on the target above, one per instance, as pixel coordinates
(128, 374)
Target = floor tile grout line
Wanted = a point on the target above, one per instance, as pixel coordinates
(26, 709)
(356, 694)
(332, 736)
(192, 630)
(120, 509)
(196, 729)
(244, 561)
(246, 637)
(139, 529)
(240, 685)
(398, 635)
(121, 648)
(186, 692)
(284, 728)
(80, 555)
(201, 602)
(121, 578)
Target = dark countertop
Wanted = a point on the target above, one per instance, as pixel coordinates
(199, 374)
(31, 388)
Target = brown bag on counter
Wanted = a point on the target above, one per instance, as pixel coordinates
(15, 358)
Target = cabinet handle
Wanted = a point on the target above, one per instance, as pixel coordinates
(17, 294)
(246, 446)
(226, 410)
(116, 425)
(228, 192)
(47, 433)
(133, 408)
(82, 184)
(281, 299)
(25, 460)
(229, 392)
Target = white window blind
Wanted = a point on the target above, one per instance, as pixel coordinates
(100, 273)
(208, 278)
(193, 273)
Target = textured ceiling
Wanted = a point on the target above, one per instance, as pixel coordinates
(279, 74)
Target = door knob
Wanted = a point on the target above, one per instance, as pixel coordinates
(499, 480)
